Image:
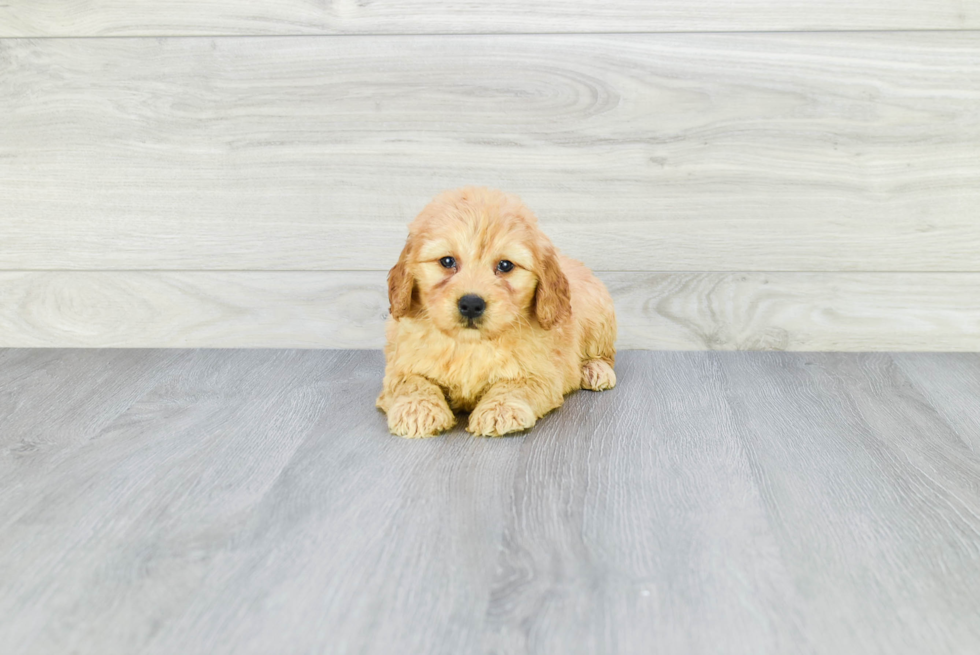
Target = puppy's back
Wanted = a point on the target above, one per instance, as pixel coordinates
(592, 310)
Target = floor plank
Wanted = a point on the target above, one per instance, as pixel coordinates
(694, 152)
(642, 527)
(24, 18)
(248, 501)
(951, 385)
(332, 309)
(867, 492)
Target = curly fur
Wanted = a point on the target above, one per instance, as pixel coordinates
(549, 326)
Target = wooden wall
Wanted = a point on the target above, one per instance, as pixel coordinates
(790, 175)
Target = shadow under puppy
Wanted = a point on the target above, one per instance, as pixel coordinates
(487, 317)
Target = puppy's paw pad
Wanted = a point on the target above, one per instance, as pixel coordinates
(499, 417)
(598, 375)
(419, 417)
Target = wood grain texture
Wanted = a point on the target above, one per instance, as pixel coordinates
(39, 18)
(193, 310)
(798, 311)
(662, 311)
(252, 501)
(951, 384)
(683, 152)
(839, 444)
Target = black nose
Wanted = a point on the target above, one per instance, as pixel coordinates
(471, 306)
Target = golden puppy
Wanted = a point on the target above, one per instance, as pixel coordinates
(487, 317)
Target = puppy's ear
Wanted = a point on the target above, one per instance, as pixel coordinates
(401, 283)
(552, 303)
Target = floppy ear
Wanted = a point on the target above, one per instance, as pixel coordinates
(552, 303)
(401, 284)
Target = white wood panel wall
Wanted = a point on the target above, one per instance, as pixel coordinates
(267, 17)
(683, 311)
(743, 189)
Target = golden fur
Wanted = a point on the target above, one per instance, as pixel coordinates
(549, 325)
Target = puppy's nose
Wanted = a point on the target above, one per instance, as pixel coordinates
(471, 306)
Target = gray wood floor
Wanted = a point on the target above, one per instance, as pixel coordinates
(251, 501)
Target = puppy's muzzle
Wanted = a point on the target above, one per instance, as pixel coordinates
(471, 306)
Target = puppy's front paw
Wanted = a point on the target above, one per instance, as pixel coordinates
(498, 417)
(598, 375)
(419, 417)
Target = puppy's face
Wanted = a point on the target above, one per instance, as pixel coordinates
(476, 265)
(474, 282)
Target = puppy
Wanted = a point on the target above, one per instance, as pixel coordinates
(488, 318)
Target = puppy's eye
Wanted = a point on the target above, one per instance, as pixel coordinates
(448, 262)
(505, 266)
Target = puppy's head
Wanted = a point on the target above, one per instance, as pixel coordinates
(476, 265)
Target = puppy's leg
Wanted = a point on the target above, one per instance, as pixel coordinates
(415, 406)
(598, 321)
(513, 405)
(598, 375)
